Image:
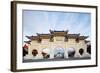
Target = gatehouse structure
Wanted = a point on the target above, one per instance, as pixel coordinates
(56, 44)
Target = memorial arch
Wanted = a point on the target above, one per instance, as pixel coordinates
(57, 44)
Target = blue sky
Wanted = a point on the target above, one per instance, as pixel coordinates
(42, 21)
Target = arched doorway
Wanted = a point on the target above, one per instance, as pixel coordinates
(71, 52)
(25, 50)
(58, 52)
(34, 52)
(89, 49)
(46, 53)
(81, 51)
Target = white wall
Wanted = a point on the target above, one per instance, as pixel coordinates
(5, 37)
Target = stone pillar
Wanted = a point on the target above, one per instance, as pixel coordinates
(52, 53)
(65, 53)
(77, 52)
(40, 53)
